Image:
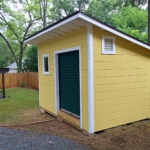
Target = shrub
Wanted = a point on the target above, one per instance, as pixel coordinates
(23, 84)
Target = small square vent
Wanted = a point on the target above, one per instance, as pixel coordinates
(108, 45)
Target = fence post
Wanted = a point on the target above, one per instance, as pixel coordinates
(3, 84)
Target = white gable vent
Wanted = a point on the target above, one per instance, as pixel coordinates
(108, 45)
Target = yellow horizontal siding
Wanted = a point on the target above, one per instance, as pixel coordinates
(122, 106)
(47, 103)
(121, 87)
(121, 72)
(120, 121)
(115, 94)
(120, 79)
(102, 103)
(121, 83)
(122, 114)
(47, 82)
(120, 65)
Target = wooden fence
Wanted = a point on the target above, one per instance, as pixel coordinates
(14, 79)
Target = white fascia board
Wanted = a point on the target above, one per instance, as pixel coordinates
(92, 21)
(53, 27)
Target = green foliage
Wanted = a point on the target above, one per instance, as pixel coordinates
(5, 55)
(31, 62)
(133, 3)
(132, 21)
(63, 8)
(125, 15)
(17, 23)
(102, 10)
(131, 17)
(23, 84)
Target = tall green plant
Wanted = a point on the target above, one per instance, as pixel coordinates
(133, 21)
(31, 61)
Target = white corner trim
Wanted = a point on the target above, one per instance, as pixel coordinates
(48, 72)
(56, 76)
(90, 78)
(39, 75)
(94, 22)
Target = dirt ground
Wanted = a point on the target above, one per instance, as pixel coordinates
(134, 136)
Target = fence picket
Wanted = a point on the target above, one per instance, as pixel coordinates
(14, 79)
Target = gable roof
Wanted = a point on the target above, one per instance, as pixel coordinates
(74, 21)
(14, 65)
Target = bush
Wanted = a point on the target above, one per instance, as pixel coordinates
(23, 84)
(31, 62)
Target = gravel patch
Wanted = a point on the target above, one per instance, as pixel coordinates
(11, 139)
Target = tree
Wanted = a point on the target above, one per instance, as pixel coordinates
(133, 3)
(17, 23)
(43, 9)
(132, 21)
(31, 61)
(102, 10)
(63, 8)
(122, 15)
(5, 55)
(45, 12)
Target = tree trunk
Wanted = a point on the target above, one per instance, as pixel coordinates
(20, 58)
(11, 49)
(44, 13)
(44, 18)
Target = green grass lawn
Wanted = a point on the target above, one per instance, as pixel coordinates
(20, 106)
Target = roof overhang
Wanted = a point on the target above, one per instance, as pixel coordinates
(75, 21)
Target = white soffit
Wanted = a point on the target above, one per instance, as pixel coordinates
(75, 22)
(55, 31)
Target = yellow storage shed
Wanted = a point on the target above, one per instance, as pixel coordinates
(92, 75)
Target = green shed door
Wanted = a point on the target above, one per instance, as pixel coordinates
(69, 84)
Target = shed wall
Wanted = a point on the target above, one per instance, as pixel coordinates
(47, 82)
(121, 83)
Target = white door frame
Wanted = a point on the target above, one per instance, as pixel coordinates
(57, 78)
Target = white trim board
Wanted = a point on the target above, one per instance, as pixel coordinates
(89, 20)
(46, 72)
(90, 78)
(39, 75)
(97, 23)
(57, 77)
